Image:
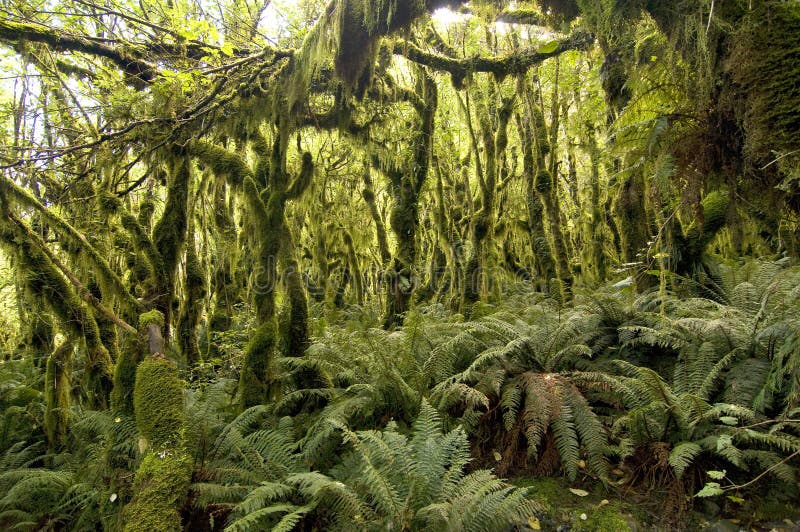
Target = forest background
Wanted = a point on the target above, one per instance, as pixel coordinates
(299, 265)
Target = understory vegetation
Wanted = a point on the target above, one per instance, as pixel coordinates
(399, 265)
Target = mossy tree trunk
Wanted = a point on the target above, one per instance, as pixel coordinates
(162, 480)
(594, 259)
(57, 390)
(546, 188)
(46, 281)
(194, 289)
(405, 186)
(494, 139)
(544, 267)
(267, 206)
(169, 236)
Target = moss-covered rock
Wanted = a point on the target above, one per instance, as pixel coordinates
(158, 403)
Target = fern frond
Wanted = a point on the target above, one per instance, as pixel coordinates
(682, 456)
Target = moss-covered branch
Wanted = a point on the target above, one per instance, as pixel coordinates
(46, 280)
(221, 161)
(100, 265)
(81, 289)
(126, 59)
(516, 63)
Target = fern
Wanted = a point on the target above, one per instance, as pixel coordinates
(389, 480)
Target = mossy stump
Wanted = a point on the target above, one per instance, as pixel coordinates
(162, 480)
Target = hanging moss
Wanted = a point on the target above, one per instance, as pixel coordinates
(106, 327)
(39, 333)
(71, 237)
(45, 280)
(222, 162)
(766, 62)
(57, 396)
(169, 234)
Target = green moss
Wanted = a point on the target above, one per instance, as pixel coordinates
(46, 281)
(57, 395)
(715, 212)
(195, 290)
(161, 485)
(766, 62)
(693, 244)
(604, 519)
(169, 233)
(71, 237)
(158, 403)
(253, 380)
(125, 377)
(146, 210)
(107, 202)
(153, 317)
(222, 162)
(543, 182)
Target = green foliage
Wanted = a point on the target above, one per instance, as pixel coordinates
(389, 480)
(513, 364)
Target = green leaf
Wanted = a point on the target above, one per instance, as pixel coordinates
(548, 48)
(729, 420)
(711, 489)
(716, 475)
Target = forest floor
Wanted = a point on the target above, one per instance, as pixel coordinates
(593, 508)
